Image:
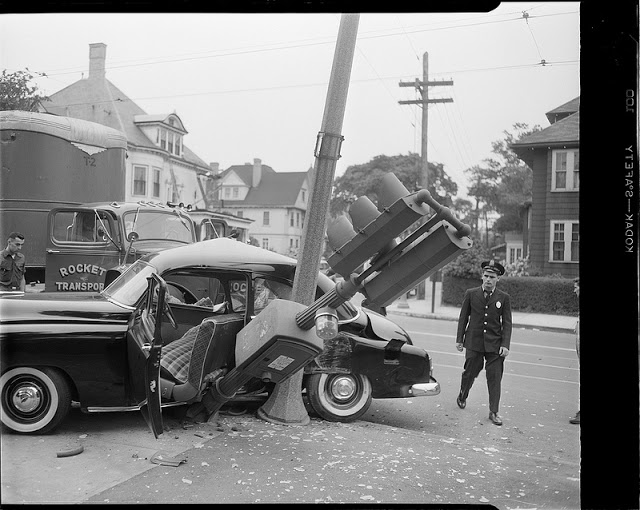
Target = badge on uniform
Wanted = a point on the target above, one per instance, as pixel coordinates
(498, 304)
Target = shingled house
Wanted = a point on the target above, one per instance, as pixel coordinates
(552, 226)
(276, 202)
(159, 166)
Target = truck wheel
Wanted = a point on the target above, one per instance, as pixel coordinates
(34, 400)
(339, 397)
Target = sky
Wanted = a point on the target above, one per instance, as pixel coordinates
(254, 85)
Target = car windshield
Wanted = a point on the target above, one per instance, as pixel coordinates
(159, 225)
(130, 285)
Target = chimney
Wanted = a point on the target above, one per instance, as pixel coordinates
(97, 58)
(215, 168)
(257, 172)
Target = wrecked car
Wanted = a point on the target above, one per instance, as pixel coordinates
(60, 350)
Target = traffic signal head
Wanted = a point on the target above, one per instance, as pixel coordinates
(372, 230)
(416, 262)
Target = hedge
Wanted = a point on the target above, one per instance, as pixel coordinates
(528, 294)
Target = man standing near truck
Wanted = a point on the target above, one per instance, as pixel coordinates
(13, 264)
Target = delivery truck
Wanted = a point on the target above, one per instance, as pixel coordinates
(63, 187)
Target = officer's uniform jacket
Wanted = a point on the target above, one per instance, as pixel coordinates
(485, 325)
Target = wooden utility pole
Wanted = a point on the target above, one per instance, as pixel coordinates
(285, 405)
(423, 87)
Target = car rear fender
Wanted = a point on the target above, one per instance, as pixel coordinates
(392, 367)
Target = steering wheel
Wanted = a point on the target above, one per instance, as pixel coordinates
(187, 295)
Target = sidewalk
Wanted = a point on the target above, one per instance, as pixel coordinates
(423, 308)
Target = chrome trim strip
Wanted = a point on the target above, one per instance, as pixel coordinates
(119, 409)
(62, 327)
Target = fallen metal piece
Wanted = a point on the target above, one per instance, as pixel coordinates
(70, 453)
(164, 459)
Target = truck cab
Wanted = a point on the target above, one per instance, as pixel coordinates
(86, 241)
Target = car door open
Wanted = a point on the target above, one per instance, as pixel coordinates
(145, 349)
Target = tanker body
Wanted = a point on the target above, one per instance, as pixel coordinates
(50, 161)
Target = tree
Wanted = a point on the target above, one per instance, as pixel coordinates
(503, 184)
(364, 179)
(16, 92)
(468, 263)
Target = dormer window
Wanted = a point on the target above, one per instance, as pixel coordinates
(163, 139)
(169, 141)
(165, 132)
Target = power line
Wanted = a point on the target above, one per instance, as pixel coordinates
(283, 46)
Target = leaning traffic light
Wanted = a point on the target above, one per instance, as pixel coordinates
(373, 229)
(394, 267)
(429, 253)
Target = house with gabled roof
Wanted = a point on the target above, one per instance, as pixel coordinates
(552, 224)
(159, 166)
(276, 202)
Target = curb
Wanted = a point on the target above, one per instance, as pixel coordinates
(436, 316)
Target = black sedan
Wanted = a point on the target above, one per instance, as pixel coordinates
(170, 323)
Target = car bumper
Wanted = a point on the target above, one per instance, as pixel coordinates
(425, 389)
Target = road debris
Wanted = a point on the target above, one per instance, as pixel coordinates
(165, 459)
(70, 453)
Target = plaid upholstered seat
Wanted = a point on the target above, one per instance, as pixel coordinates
(188, 352)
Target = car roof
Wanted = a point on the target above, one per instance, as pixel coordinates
(223, 253)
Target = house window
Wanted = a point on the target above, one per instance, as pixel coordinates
(178, 147)
(156, 182)
(290, 243)
(227, 192)
(304, 195)
(240, 214)
(170, 146)
(265, 218)
(565, 241)
(163, 139)
(265, 243)
(291, 219)
(514, 254)
(140, 180)
(565, 172)
(235, 192)
(297, 219)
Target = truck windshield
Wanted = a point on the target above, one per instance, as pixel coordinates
(159, 225)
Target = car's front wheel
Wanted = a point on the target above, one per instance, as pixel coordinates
(339, 397)
(34, 400)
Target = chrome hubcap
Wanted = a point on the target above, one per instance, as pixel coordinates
(343, 388)
(26, 398)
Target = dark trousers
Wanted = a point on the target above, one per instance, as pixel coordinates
(494, 367)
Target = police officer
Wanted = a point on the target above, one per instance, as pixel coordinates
(484, 330)
(12, 265)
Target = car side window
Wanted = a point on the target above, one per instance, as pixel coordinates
(238, 292)
(268, 290)
(197, 290)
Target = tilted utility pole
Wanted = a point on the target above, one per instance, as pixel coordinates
(285, 404)
(423, 88)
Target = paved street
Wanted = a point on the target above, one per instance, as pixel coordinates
(421, 450)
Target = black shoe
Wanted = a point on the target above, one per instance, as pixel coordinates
(576, 419)
(462, 403)
(495, 418)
